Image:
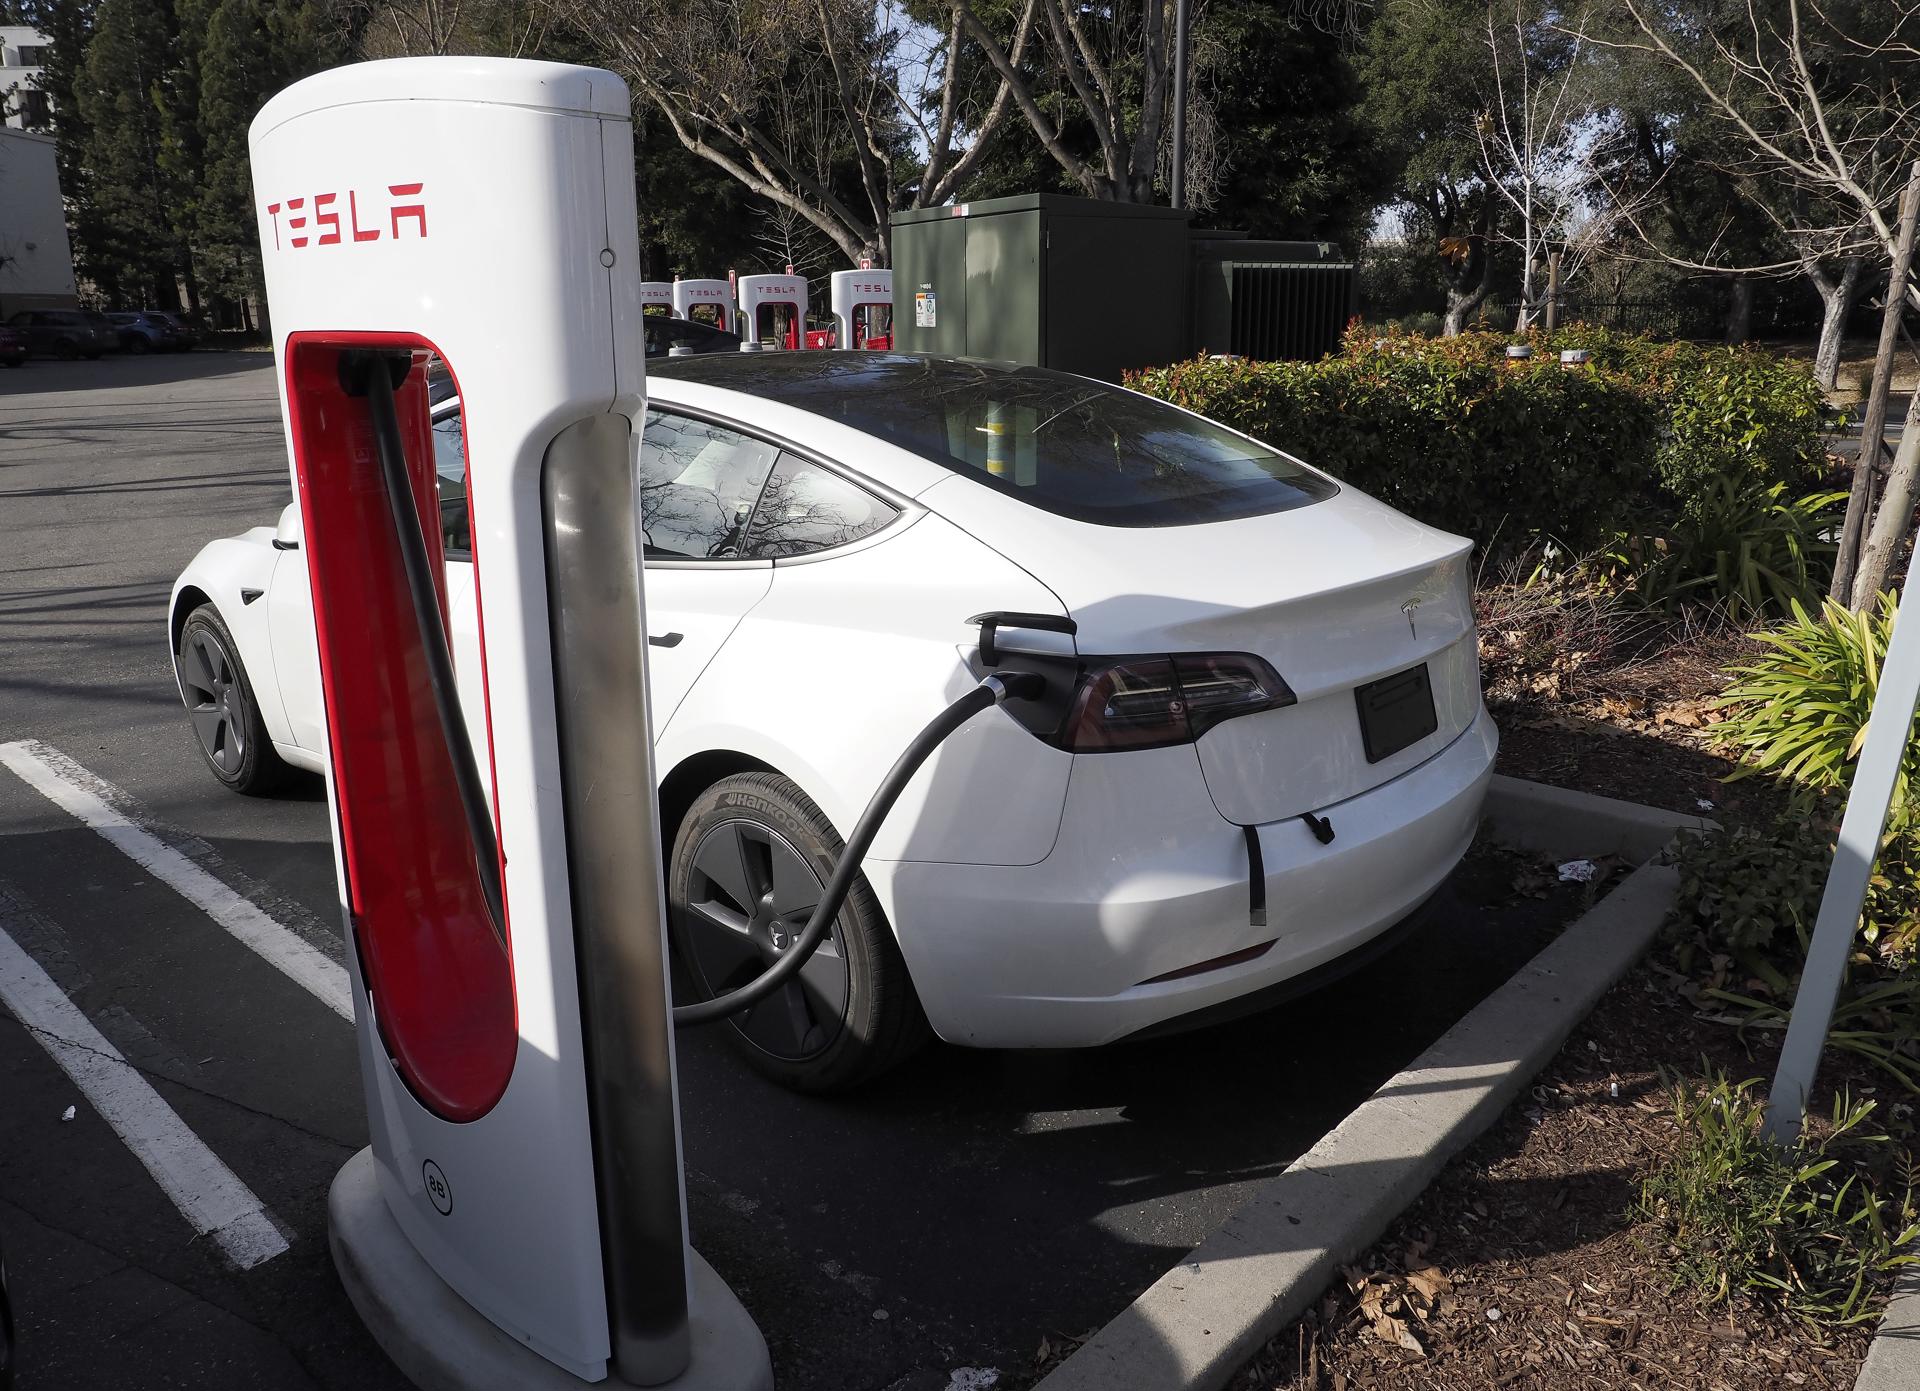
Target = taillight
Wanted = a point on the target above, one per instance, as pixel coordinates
(1150, 702)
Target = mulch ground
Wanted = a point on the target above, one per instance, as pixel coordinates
(1522, 1265)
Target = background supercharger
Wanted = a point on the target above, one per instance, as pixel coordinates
(420, 206)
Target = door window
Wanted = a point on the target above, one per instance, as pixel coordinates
(806, 508)
(698, 484)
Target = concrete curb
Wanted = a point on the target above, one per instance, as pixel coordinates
(1893, 1361)
(1567, 825)
(1199, 1323)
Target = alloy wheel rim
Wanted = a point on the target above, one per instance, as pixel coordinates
(748, 896)
(215, 701)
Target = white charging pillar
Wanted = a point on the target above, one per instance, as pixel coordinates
(656, 297)
(774, 292)
(849, 292)
(518, 1219)
(713, 297)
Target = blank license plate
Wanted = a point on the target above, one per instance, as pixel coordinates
(1395, 711)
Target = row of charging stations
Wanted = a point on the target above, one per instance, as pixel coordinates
(771, 310)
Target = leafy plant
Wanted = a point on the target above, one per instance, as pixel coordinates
(1799, 710)
(1744, 912)
(1817, 1230)
(1745, 547)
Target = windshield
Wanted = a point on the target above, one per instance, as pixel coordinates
(1074, 447)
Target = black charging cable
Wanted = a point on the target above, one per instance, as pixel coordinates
(370, 372)
(993, 690)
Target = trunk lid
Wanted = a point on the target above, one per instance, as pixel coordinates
(1336, 596)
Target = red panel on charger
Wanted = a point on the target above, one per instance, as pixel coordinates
(442, 987)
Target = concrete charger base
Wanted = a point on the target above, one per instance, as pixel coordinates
(442, 1343)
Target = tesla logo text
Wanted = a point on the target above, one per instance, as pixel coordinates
(320, 219)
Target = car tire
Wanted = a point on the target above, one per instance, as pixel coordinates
(222, 707)
(135, 345)
(852, 1013)
(66, 350)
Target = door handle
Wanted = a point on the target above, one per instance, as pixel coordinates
(664, 639)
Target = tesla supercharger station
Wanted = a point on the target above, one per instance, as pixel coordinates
(518, 1219)
(772, 293)
(706, 301)
(656, 297)
(857, 296)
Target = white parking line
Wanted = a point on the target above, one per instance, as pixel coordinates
(209, 1195)
(275, 943)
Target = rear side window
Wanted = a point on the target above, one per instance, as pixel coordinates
(698, 484)
(805, 508)
(1074, 447)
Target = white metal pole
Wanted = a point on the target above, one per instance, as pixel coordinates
(1888, 726)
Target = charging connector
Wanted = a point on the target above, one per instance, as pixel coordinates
(994, 689)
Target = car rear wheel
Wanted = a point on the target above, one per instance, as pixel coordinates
(66, 349)
(221, 704)
(749, 864)
(134, 344)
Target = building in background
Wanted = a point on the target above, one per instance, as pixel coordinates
(36, 261)
(23, 106)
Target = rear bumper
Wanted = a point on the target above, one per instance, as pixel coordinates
(1147, 879)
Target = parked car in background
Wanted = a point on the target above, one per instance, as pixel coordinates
(664, 334)
(144, 331)
(185, 327)
(66, 333)
(13, 346)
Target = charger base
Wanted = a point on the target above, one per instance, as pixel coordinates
(442, 1343)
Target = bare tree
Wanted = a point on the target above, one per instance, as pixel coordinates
(1116, 60)
(1819, 123)
(747, 84)
(1526, 133)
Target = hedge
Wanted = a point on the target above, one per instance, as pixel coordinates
(1453, 432)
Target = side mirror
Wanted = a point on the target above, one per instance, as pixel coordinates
(286, 534)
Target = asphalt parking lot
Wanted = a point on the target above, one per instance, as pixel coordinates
(949, 1217)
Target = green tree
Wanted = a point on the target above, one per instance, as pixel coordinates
(135, 242)
(1296, 158)
(1425, 66)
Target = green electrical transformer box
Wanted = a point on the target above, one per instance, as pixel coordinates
(1076, 284)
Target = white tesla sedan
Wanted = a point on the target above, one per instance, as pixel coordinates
(1263, 745)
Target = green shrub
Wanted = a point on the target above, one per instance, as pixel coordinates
(1746, 548)
(1816, 1230)
(1744, 912)
(1798, 711)
(1752, 891)
(1453, 432)
(1446, 433)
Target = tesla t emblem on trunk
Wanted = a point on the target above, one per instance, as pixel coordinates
(1408, 608)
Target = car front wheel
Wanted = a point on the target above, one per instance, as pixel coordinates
(221, 704)
(749, 864)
